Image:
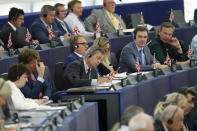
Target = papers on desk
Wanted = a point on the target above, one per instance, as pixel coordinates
(134, 74)
(121, 75)
(50, 108)
(148, 26)
(128, 30)
(21, 124)
(46, 103)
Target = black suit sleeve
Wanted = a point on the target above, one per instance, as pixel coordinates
(75, 75)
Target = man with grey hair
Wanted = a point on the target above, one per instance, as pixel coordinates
(109, 21)
(171, 119)
(141, 122)
(82, 72)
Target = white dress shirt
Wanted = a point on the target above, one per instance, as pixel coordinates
(194, 46)
(22, 103)
(143, 55)
(73, 21)
(123, 128)
(13, 27)
(94, 81)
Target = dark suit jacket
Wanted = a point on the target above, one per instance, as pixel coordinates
(17, 40)
(128, 58)
(60, 28)
(32, 90)
(39, 31)
(158, 125)
(75, 75)
(72, 57)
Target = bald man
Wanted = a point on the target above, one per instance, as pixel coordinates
(108, 20)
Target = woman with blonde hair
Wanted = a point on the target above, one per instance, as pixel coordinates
(106, 65)
(173, 98)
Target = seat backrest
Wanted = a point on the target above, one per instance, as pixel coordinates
(114, 60)
(132, 20)
(179, 20)
(178, 16)
(4, 76)
(195, 15)
(49, 78)
(59, 76)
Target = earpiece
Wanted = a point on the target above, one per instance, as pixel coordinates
(76, 46)
(74, 42)
(176, 100)
(90, 55)
(16, 16)
(57, 12)
(45, 15)
(170, 121)
(104, 4)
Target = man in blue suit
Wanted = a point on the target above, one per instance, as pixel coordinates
(42, 26)
(78, 48)
(137, 50)
(37, 87)
(59, 19)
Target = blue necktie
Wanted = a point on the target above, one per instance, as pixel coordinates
(141, 56)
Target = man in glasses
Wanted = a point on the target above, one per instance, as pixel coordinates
(109, 21)
(78, 48)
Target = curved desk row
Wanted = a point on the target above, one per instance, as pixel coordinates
(146, 94)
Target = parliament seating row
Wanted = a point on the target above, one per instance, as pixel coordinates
(154, 11)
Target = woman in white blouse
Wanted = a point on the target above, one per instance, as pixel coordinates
(17, 76)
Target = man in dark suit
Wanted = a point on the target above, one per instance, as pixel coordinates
(137, 50)
(13, 27)
(189, 109)
(59, 19)
(42, 26)
(37, 87)
(108, 20)
(171, 119)
(82, 72)
(78, 48)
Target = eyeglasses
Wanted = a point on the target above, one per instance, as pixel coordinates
(62, 11)
(84, 43)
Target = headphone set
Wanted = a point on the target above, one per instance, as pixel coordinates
(104, 4)
(170, 121)
(44, 10)
(16, 16)
(74, 42)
